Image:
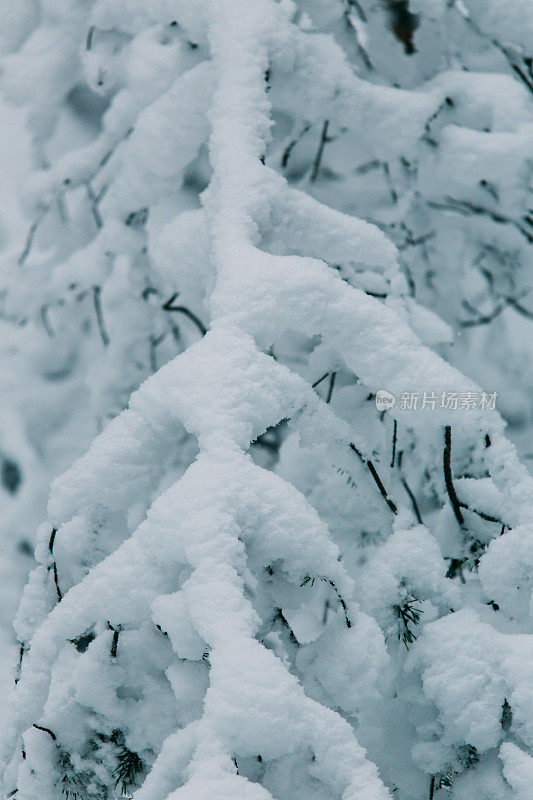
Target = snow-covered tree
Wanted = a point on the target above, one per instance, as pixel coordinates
(451, 182)
(258, 582)
(84, 319)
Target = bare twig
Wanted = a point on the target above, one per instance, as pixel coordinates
(352, 5)
(154, 342)
(56, 581)
(392, 190)
(414, 503)
(319, 381)
(377, 479)
(30, 236)
(481, 514)
(394, 440)
(46, 322)
(19, 665)
(331, 386)
(362, 169)
(481, 319)
(93, 200)
(113, 148)
(292, 144)
(46, 730)
(342, 603)
(448, 478)
(186, 311)
(466, 209)
(53, 566)
(114, 640)
(523, 70)
(52, 540)
(99, 315)
(309, 580)
(520, 308)
(324, 138)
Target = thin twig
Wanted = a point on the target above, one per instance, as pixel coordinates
(331, 385)
(394, 439)
(52, 540)
(309, 580)
(342, 603)
(19, 665)
(466, 209)
(525, 77)
(30, 237)
(112, 149)
(316, 383)
(114, 640)
(93, 199)
(99, 315)
(457, 504)
(44, 319)
(482, 319)
(481, 514)
(292, 144)
(520, 308)
(350, 5)
(448, 478)
(392, 190)
(56, 581)
(154, 342)
(46, 730)
(414, 503)
(377, 479)
(187, 312)
(54, 565)
(362, 169)
(324, 138)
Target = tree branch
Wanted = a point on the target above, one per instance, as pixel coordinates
(448, 478)
(46, 730)
(331, 385)
(394, 439)
(324, 138)
(99, 315)
(187, 312)
(414, 503)
(377, 479)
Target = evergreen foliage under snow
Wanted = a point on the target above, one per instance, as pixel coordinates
(247, 218)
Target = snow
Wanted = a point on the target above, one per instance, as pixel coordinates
(245, 220)
(517, 768)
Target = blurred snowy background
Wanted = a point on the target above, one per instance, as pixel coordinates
(14, 563)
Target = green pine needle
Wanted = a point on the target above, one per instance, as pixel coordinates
(128, 768)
